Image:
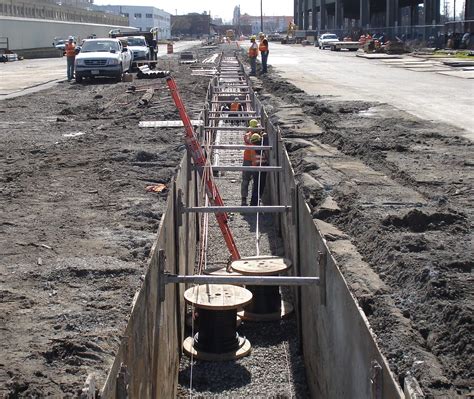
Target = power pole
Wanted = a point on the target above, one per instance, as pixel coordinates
(261, 15)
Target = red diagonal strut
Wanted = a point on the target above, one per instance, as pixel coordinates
(200, 160)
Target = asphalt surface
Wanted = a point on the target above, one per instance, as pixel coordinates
(428, 95)
(27, 76)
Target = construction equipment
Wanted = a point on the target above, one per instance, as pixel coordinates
(201, 162)
(230, 35)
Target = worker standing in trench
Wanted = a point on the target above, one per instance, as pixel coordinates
(235, 107)
(248, 158)
(70, 49)
(253, 54)
(259, 158)
(263, 48)
(254, 158)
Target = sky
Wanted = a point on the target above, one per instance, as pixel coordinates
(218, 8)
(225, 8)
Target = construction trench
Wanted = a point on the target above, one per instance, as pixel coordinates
(389, 194)
(322, 348)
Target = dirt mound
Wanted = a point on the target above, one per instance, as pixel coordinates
(419, 241)
(419, 221)
(77, 225)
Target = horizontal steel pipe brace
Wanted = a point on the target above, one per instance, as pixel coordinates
(231, 118)
(232, 85)
(230, 128)
(225, 102)
(243, 280)
(239, 147)
(238, 209)
(232, 112)
(247, 168)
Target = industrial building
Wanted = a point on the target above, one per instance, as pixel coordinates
(67, 11)
(389, 15)
(271, 24)
(42, 22)
(144, 18)
(191, 25)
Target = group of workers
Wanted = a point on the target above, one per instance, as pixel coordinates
(254, 49)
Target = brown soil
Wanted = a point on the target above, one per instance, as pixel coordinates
(420, 244)
(77, 225)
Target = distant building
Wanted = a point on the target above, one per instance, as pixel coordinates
(144, 18)
(76, 3)
(271, 24)
(59, 11)
(469, 10)
(384, 15)
(236, 17)
(191, 25)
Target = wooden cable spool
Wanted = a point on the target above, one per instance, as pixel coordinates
(267, 304)
(217, 338)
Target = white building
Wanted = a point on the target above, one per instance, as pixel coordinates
(144, 18)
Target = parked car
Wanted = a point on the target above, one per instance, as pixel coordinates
(103, 57)
(60, 45)
(139, 48)
(326, 39)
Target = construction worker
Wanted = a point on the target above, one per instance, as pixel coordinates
(235, 107)
(263, 48)
(249, 155)
(70, 49)
(253, 54)
(259, 158)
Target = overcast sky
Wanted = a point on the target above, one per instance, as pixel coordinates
(218, 8)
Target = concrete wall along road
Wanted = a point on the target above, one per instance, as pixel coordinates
(28, 33)
(341, 356)
(148, 356)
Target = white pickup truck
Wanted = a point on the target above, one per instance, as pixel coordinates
(102, 57)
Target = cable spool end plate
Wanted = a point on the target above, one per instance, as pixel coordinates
(244, 349)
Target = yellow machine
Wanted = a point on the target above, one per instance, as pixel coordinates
(230, 34)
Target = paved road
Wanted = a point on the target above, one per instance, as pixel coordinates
(22, 77)
(427, 95)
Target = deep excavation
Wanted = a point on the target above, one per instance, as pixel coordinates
(368, 247)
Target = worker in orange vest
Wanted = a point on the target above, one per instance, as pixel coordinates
(259, 158)
(253, 54)
(235, 107)
(263, 48)
(70, 49)
(249, 156)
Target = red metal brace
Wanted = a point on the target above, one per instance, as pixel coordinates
(200, 160)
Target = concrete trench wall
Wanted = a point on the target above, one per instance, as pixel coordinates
(341, 356)
(148, 357)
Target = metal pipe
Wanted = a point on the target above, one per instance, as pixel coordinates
(262, 169)
(238, 209)
(229, 128)
(240, 280)
(239, 147)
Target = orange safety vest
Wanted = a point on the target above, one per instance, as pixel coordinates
(248, 156)
(235, 107)
(253, 50)
(70, 49)
(263, 46)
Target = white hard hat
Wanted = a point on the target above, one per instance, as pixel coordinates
(70, 38)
